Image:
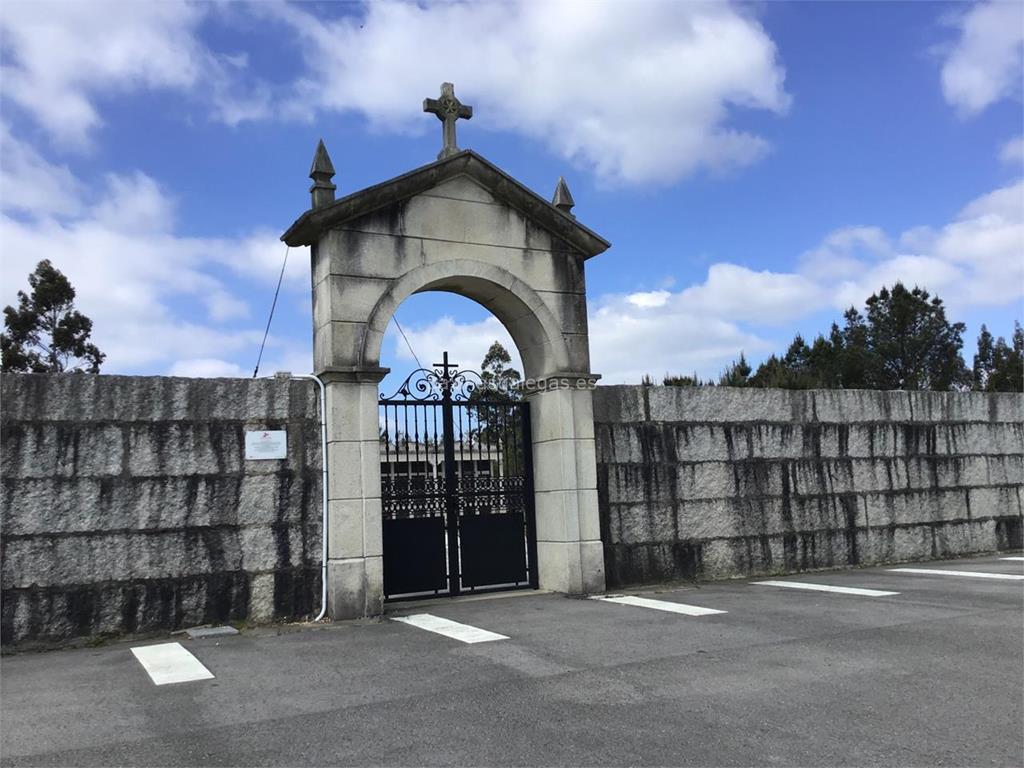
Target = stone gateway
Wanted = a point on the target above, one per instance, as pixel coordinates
(464, 226)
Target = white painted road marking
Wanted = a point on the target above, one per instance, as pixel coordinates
(826, 588)
(973, 574)
(658, 605)
(453, 629)
(1011, 558)
(170, 663)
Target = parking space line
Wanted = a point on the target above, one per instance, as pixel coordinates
(826, 588)
(658, 605)
(1011, 558)
(453, 629)
(168, 663)
(972, 574)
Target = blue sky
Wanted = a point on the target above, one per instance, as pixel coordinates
(757, 167)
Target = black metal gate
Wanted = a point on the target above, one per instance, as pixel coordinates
(456, 487)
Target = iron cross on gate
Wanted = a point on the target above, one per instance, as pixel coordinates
(448, 109)
(445, 374)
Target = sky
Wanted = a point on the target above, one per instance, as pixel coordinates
(757, 167)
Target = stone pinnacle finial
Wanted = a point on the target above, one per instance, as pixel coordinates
(448, 109)
(321, 173)
(563, 198)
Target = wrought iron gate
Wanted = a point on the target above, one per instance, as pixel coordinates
(456, 487)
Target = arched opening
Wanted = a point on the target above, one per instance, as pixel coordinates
(528, 320)
(456, 453)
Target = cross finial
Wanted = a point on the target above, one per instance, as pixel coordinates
(445, 366)
(448, 109)
(447, 369)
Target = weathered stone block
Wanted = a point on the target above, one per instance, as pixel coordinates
(349, 251)
(640, 483)
(1006, 407)
(775, 441)
(706, 480)
(988, 439)
(994, 502)
(184, 448)
(643, 523)
(705, 519)
(620, 404)
(701, 442)
(40, 449)
(462, 188)
(852, 406)
(719, 404)
(261, 597)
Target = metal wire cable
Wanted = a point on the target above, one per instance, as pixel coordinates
(418, 363)
(273, 305)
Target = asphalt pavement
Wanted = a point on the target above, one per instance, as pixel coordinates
(928, 676)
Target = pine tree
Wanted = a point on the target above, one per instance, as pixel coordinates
(1007, 370)
(855, 360)
(737, 374)
(46, 334)
(984, 360)
(912, 344)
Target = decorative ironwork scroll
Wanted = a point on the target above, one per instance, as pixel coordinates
(432, 384)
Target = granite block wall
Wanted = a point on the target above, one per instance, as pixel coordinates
(712, 482)
(128, 505)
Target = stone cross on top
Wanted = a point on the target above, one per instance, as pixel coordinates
(448, 109)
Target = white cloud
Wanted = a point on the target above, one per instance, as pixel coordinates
(628, 340)
(206, 367)
(221, 305)
(985, 64)
(741, 294)
(466, 343)
(975, 260)
(924, 271)
(841, 254)
(1012, 152)
(31, 184)
(639, 92)
(137, 279)
(60, 57)
(134, 204)
(645, 299)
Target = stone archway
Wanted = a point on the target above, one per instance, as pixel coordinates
(459, 225)
(529, 321)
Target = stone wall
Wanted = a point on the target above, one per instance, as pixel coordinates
(128, 505)
(719, 482)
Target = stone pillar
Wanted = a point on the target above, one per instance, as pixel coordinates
(569, 550)
(355, 574)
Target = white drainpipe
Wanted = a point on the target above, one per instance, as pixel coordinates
(323, 481)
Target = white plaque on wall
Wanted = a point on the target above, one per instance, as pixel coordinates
(266, 444)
